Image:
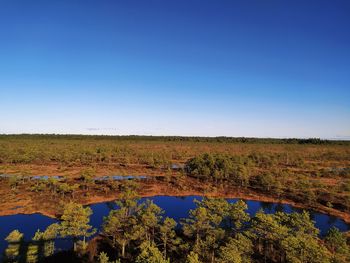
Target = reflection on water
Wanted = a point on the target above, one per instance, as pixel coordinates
(175, 207)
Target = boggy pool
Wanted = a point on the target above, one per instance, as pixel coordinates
(175, 207)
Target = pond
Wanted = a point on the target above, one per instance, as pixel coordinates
(34, 177)
(120, 177)
(175, 207)
(60, 177)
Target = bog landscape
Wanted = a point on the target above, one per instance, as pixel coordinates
(174, 131)
(128, 198)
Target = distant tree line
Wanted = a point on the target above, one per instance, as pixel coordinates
(221, 139)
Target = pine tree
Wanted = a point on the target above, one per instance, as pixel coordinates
(75, 222)
(336, 242)
(302, 247)
(193, 258)
(46, 240)
(203, 226)
(103, 258)
(150, 254)
(237, 215)
(238, 249)
(168, 236)
(120, 228)
(149, 216)
(32, 253)
(229, 254)
(13, 251)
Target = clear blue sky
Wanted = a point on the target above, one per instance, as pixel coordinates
(182, 67)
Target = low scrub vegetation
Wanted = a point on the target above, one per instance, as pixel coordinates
(247, 172)
(313, 173)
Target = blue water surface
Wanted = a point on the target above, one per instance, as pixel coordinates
(174, 207)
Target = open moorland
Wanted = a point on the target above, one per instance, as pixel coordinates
(58, 176)
(309, 173)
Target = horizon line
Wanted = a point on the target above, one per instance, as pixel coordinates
(337, 138)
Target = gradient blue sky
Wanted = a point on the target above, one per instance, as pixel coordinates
(234, 68)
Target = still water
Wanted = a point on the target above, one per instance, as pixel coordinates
(175, 207)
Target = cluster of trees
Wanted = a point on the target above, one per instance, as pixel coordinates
(208, 164)
(74, 224)
(52, 185)
(215, 231)
(219, 168)
(236, 170)
(250, 172)
(62, 187)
